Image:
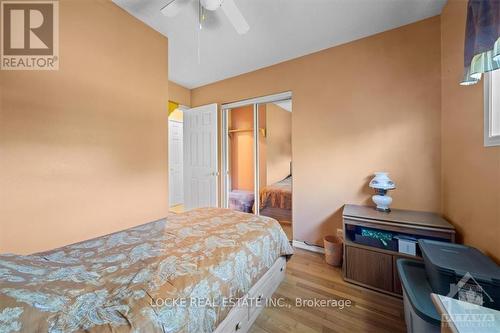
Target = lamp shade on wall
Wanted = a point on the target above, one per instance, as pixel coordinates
(381, 181)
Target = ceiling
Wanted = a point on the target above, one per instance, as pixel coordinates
(279, 30)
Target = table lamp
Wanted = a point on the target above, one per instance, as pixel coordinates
(382, 183)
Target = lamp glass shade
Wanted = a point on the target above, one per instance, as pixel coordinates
(381, 181)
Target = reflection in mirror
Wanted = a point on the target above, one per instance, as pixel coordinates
(275, 197)
(240, 142)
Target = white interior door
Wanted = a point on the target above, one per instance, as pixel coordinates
(175, 162)
(200, 157)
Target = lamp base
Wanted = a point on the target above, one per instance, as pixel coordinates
(383, 202)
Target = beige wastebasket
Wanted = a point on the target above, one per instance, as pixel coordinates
(333, 250)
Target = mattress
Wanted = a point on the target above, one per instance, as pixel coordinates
(180, 274)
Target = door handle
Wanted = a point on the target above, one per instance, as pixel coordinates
(214, 174)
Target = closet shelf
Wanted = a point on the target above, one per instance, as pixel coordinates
(261, 130)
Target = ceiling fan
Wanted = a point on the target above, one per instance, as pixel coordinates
(228, 7)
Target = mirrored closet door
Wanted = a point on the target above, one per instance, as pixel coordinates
(257, 157)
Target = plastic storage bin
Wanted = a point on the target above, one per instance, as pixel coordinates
(447, 264)
(420, 313)
(241, 200)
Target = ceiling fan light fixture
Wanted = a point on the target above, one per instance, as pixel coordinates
(229, 8)
(211, 4)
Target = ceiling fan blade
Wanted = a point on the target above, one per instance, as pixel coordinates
(173, 8)
(235, 17)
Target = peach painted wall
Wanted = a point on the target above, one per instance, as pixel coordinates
(278, 142)
(471, 172)
(179, 94)
(83, 150)
(369, 105)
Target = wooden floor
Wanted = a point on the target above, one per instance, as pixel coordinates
(309, 277)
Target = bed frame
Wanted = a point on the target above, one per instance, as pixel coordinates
(240, 319)
(282, 215)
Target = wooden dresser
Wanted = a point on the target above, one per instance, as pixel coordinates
(370, 262)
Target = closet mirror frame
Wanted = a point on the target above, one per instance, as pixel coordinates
(225, 109)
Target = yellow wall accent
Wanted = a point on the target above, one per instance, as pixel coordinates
(172, 106)
(179, 95)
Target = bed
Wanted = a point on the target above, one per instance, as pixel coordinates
(184, 273)
(276, 200)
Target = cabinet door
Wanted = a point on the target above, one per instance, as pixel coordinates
(369, 267)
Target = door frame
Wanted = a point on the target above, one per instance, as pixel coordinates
(259, 100)
(225, 108)
(169, 154)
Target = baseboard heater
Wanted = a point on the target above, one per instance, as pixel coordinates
(309, 247)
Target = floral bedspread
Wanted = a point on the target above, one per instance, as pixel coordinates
(165, 276)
